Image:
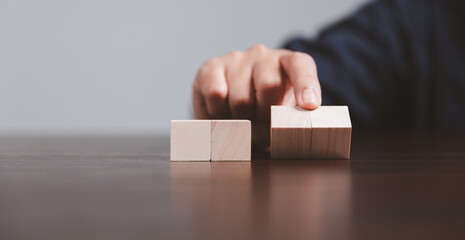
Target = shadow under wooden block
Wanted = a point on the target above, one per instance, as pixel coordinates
(291, 133)
(331, 132)
(190, 140)
(231, 140)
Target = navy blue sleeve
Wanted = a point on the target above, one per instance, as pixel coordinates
(369, 61)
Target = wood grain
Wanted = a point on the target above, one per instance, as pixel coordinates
(291, 133)
(231, 140)
(190, 140)
(331, 133)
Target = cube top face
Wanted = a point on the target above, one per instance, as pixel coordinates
(290, 117)
(190, 121)
(231, 140)
(229, 121)
(190, 140)
(331, 117)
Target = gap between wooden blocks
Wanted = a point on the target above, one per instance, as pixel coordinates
(324, 133)
(210, 140)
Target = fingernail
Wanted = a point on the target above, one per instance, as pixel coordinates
(309, 96)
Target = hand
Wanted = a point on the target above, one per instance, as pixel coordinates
(244, 85)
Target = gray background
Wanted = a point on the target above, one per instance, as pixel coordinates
(123, 67)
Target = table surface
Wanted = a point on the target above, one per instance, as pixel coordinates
(396, 186)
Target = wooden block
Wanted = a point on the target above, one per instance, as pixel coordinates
(291, 133)
(190, 140)
(331, 132)
(231, 140)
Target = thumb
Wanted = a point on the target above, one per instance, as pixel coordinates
(301, 70)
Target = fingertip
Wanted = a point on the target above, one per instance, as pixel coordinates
(309, 99)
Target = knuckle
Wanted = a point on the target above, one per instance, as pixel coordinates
(212, 63)
(268, 82)
(235, 55)
(208, 68)
(205, 73)
(297, 57)
(259, 48)
(216, 93)
(304, 60)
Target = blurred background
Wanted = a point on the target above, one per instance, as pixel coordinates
(126, 67)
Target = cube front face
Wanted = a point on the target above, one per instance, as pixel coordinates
(291, 133)
(324, 133)
(331, 132)
(231, 140)
(331, 143)
(291, 143)
(190, 140)
(210, 140)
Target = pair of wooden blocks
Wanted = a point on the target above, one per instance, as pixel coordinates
(210, 140)
(324, 133)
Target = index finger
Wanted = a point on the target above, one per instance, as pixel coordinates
(302, 72)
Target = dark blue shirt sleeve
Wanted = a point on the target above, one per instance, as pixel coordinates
(378, 62)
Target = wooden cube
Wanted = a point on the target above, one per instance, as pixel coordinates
(231, 140)
(291, 133)
(331, 132)
(205, 140)
(190, 140)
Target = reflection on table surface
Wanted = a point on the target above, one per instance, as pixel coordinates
(394, 187)
(269, 198)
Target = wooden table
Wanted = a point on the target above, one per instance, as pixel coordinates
(396, 186)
